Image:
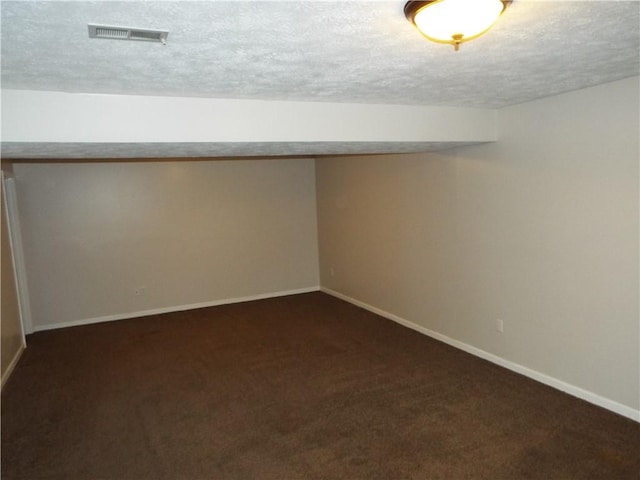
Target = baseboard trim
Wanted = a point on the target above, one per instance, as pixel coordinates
(178, 308)
(11, 366)
(565, 387)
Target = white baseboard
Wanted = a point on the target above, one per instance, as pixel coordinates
(578, 392)
(12, 365)
(179, 308)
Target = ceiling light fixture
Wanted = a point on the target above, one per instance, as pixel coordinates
(454, 21)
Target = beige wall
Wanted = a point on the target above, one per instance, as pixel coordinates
(10, 328)
(186, 232)
(539, 229)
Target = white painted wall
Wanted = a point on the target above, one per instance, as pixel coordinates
(35, 116)
(539, 229)
(187, 232)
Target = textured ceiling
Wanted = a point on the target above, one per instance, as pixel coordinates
(338, 51)
(78, 151)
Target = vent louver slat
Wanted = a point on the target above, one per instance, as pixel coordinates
(126, 33)
(102, 32)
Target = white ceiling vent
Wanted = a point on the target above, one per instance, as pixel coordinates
(126, 33)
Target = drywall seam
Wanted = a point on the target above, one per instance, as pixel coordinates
(611, 405)
(178, 308)
(12, 365)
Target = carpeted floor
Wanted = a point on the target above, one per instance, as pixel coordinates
(300, 387)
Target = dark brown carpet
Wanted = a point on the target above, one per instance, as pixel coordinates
(300, 387)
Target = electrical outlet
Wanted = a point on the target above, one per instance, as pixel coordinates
(500, 325)
(332, 272)
(139, 291)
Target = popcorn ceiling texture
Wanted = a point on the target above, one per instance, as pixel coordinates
(72, 151)
(344, 51)
(335, 51)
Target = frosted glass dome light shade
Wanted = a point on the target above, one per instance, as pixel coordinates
(454, 21)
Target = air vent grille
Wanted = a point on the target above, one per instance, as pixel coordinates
(126, 33)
